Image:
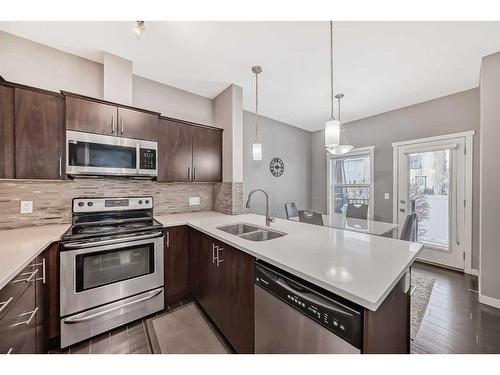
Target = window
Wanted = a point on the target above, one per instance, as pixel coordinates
(351, 180)
(415, 161)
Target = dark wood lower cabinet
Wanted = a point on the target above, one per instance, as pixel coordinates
(221, 280)
(176, 264)
(387, 330)
(29, 307)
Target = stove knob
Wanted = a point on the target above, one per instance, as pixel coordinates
(90, 204)
(80, 204)
(147, 201)
(140, 201)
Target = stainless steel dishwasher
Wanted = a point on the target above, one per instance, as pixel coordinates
(293, 318)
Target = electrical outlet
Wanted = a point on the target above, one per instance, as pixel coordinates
(386, 196)
(193, 201)
(26, 207)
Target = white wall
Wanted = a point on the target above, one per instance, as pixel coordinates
(489, 280)
(293, 146)
(34, 64)
(117, 77)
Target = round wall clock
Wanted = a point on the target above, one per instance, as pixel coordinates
(277, 167)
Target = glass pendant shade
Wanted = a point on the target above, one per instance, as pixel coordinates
(257, 151)
(339, 149)
(332, 133)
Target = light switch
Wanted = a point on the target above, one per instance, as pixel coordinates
(26, 207)
(193, 201)
(386, 196)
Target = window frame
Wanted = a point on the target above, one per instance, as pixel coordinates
(360, 151)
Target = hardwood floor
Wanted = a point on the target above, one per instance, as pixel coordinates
(455, 321)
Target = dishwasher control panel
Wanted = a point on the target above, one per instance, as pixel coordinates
(342, 320)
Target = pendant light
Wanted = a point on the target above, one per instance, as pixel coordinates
(333, 131)
(256, 146)
(340, 148)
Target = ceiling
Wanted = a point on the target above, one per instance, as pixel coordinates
(379, 66)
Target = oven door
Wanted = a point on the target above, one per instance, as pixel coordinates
(94, 154)
(107, 272)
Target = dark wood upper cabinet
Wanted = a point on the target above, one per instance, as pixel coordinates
(188, 152)
(7, 169)
(175, 151)
(89, 116)
(207, 155)
(39, 134)
(137, 124)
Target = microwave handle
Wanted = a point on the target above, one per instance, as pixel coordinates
(138, 158)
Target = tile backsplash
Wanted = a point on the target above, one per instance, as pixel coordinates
(52, 199)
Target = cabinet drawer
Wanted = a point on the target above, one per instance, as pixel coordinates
(17, 327)
(15, 288)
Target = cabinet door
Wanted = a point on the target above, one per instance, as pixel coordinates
(6, 132)
(176, 264)
(175, 151)
(92, 117)
(39, 135)
(207, 155)
(137, 124)
(236, 297)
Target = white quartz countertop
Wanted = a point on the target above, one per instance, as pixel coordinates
(359, 267)
(18, 247)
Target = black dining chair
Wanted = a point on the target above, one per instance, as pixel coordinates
(291, 210)
(310, 217)
(357, 211)
(410, 228)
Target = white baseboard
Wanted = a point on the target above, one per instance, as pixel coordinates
(489, 301)
(473, 272)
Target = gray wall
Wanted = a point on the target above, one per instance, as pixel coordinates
(291, 144)
(490, 176)
(450, 114)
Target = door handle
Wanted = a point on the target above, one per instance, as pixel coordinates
(214, 257)
(402, 210)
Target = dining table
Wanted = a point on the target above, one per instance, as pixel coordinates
(374, 227)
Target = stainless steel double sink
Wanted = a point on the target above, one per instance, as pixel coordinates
(251, 232)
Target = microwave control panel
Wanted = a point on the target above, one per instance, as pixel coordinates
(148, 158)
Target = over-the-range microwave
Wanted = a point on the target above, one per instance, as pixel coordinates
(105, 155)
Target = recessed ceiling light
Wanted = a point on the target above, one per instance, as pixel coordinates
(139, 27)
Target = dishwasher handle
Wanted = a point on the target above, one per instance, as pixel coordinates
(302, 292)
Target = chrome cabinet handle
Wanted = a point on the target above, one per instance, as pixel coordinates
(43, 278)
(112, 124)
(83, 317)
(194, 173)
(167, 238)
(27, 322)
(27, 279)
(60, 166)
(219, 261)
(121, 120)
(3, 305)
(189, 173)
(9, 351)
(214, 258)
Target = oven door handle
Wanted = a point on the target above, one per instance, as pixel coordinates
(83, 317)
(81, 245)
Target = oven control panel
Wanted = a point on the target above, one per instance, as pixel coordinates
(112, 204)
(333, 315)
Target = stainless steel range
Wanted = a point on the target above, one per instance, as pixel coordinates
(111, 266)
